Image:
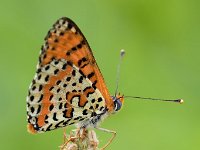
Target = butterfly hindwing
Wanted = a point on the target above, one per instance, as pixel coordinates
(68, 86)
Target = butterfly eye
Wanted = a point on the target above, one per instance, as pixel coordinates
(118, 104)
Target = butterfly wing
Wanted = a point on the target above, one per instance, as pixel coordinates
(68, 86)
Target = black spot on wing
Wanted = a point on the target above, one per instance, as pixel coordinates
(90, 75)
(49, 127)
(85, 112)
(41, 97)
(54, 117)
(58, 124)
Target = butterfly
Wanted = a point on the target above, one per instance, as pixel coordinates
(68, 87)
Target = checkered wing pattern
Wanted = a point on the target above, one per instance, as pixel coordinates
(68, 86)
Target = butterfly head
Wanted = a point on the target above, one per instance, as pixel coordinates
(118, 102)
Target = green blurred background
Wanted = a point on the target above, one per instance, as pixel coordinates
(162, 43)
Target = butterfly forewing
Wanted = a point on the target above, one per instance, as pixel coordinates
(68, 86)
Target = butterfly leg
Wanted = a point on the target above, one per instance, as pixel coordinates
(111, 139)
(93, 141)
(64, 135)
(82, 139)
(65, 138)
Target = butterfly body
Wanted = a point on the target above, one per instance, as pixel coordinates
(68, 87)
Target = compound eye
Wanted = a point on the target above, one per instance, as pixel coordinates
(118, 104)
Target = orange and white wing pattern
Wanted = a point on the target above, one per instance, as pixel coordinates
(68, 86)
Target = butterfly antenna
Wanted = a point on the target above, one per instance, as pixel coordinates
(180, 101)
(122, 53)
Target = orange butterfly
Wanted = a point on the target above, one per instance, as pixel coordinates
(68, 87)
